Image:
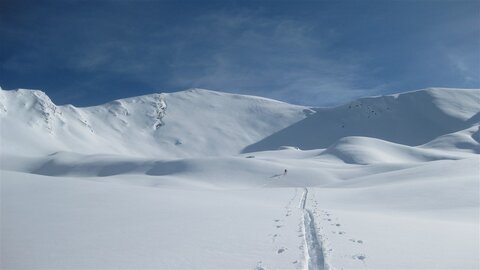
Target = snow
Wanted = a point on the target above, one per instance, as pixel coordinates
(195, 180)
(175, 125)
(412, 119)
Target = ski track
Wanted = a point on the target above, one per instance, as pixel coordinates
(314, 258)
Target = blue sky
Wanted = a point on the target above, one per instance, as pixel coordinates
(305, 52)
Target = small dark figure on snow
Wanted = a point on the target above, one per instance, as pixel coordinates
(285, 172)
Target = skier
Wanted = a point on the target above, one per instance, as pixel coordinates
(285, 172)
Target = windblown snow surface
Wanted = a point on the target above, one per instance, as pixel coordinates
(195, 180)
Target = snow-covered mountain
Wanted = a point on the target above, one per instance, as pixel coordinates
(207, 180)
(200, 122)
(412, 118)
(189, 123)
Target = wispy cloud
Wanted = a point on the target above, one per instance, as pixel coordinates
(466, 65)
(279, 58)
(313, 53)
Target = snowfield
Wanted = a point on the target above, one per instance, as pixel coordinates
(195, 180)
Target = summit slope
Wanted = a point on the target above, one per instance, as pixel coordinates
(411, 118)
(170, 125)
(198, 122)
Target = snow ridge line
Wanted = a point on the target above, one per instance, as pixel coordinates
(314, 258)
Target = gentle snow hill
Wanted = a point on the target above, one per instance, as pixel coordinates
(411, 118)
(183, 124)
(364, 150)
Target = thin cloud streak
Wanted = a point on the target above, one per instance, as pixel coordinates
(309, 53)
(286, 60)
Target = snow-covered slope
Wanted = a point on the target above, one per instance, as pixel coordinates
(189, 123)
(207, 180)
(411, 118)
(207, 123)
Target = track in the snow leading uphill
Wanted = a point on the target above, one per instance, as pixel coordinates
(314, 259)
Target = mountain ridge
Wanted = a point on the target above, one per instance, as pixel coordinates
(200, 122)
(413, 118)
